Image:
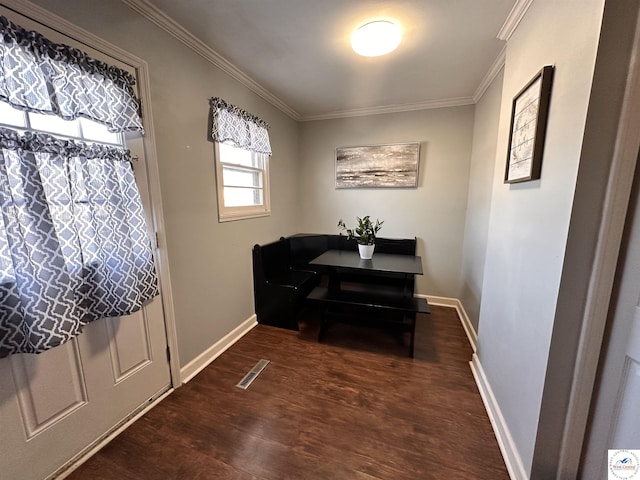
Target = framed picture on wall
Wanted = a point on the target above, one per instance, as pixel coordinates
(528, 125)
(378, 166)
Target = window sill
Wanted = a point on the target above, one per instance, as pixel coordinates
(241, 216)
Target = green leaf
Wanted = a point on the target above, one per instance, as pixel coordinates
(365, 232)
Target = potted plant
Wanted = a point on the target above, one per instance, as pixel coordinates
(364, 234)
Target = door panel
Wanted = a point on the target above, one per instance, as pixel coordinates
(49, 387)
(129, 346)
(56, 404)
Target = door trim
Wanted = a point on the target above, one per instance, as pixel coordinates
(158, 223)
(602, 273)
(48, 19)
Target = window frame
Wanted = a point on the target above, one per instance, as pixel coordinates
(79, 135)
(228, 214)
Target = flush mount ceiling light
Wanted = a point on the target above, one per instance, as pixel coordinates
(376, 38)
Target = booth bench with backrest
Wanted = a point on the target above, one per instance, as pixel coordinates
(283, 278)
(280, 284)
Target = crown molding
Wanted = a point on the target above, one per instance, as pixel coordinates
(513, 19)
(405, 107)
(162, 20)
(493, 71)
(173, 28)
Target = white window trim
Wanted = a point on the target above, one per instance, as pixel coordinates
(79, 135)
(229, 214)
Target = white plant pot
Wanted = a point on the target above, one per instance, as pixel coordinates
(366, 251)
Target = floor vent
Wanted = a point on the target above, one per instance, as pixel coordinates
(251, 376)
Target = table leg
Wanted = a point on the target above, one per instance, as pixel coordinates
(412, 319)
(334, 281)
(323, 323)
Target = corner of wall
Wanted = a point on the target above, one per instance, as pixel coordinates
(472, 335)
(199, 363)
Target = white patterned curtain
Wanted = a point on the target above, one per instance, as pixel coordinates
(40, 76)
(73, 240)
(231, 124)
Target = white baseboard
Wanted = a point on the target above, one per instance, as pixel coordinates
(507, 446)
(462, 314)
(196, 365)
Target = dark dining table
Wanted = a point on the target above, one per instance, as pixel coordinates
(375, 287)
(381, 262)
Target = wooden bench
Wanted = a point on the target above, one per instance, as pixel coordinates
(279, 289)
(367, 299)
(304, 247)
(399, 312)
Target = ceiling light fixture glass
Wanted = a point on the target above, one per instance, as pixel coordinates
(376, 38)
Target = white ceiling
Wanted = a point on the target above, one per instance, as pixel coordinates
(298, 51)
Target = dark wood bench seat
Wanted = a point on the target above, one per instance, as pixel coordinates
(278, 288)
(370, 299)
(293, 278)
(385, 308)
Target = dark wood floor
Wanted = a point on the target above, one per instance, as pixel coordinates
(353, 407)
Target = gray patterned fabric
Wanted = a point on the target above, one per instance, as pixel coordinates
(229, 123)
(40, 76)
(73, 240)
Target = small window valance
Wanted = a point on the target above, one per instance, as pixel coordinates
(229, 123)
(40, 76)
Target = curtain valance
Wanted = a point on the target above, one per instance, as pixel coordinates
(40, 76)
(230, 123)
(74, 245)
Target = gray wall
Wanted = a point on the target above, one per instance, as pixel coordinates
(210, 262)
(434, 212)
(529, 222)
(615, 52)
(483, 157)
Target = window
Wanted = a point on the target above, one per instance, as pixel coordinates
(243, 183)
(81, 129)
(58, 201)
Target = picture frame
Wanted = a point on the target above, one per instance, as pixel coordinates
(529, 113)
(378, 166)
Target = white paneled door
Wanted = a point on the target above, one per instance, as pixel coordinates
(56, 404)
(53, 406)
